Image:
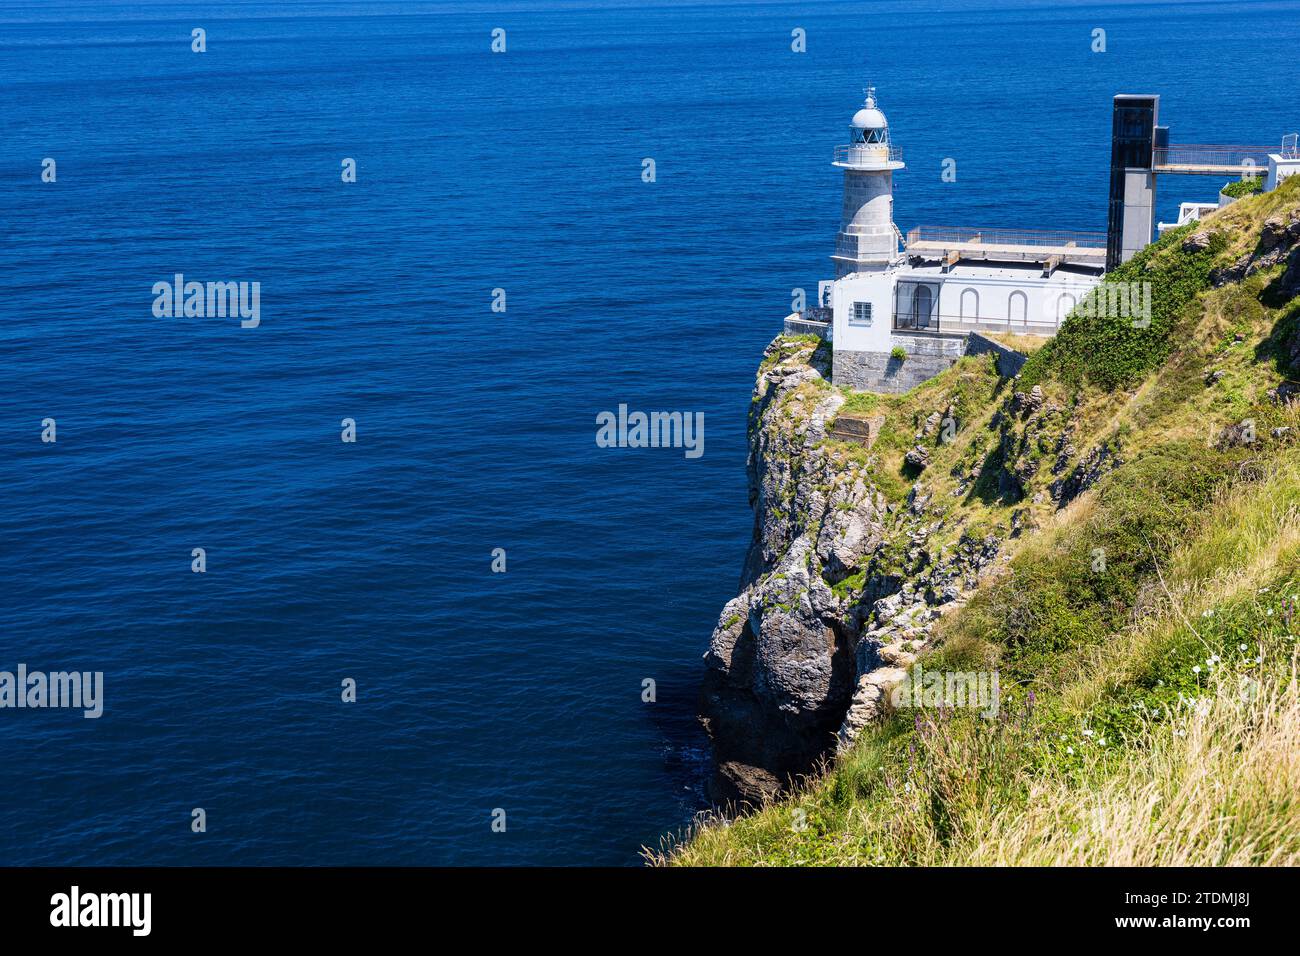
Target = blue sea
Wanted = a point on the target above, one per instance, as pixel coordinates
(326, 560)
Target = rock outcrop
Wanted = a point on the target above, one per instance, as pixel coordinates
(1279, 241)
(900, 626)
(841, 588)
(838, 593)
(780, 664)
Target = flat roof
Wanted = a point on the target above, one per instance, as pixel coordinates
(1008, 270)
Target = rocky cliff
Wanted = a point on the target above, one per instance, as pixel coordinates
(861, 545)
(838, 590)
(1114, 534)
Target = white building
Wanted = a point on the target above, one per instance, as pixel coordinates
(1281, 166)
(926, 292)
(1285, 163)
(1192, 212)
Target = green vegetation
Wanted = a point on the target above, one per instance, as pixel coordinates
(860, 403)
(1128, 325)
(898, 353)
(1243, 187)
(1146, 637)
(788, 345)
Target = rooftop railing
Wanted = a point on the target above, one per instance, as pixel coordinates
(1007, 237)
(939, 324)
(1216, 156)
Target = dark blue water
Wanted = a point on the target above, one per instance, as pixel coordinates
(371, 560)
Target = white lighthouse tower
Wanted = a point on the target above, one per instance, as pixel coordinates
(868, 239)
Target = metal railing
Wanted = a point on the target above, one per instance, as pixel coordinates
(867, 154)
(938, 324)
(1035, 238)
(1218, 157)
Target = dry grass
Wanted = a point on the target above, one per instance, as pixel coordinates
(1024, 344)
(1255, 532)
(1219, 787)
(1216, 785)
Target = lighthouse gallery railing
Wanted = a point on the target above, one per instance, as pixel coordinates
(867, 153)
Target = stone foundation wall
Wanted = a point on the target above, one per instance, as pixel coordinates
(927, 356)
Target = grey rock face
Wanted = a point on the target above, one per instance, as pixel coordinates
(1286, 393)
(790, 675)
(1085, 474)
(901, 628)
(1279, 241)
(918, 457)
(1239, 435)
(779, 665)
(1026, 403)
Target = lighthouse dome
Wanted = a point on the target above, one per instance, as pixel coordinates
(869, 148)
(869, 118)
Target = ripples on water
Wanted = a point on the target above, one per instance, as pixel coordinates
(475, 430)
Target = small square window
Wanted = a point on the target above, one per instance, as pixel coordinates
(861, 314)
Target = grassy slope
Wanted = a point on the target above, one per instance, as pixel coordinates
(1149, 705)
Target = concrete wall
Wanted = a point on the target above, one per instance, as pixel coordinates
(797, 326)
(1010, 362)
(1279, 169)
(927, 356)
(876, 288)
(1019, 298)
(1139, 210)
(991, 296)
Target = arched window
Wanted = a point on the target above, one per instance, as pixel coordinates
(922, 303)
(970, 304)
(1063, 306)
(1018, 309)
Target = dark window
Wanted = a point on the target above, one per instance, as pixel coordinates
(922, 303)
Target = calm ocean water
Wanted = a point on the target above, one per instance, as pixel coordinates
(371, 560)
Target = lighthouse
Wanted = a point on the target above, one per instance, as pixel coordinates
(868, 239)
(902, 311)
